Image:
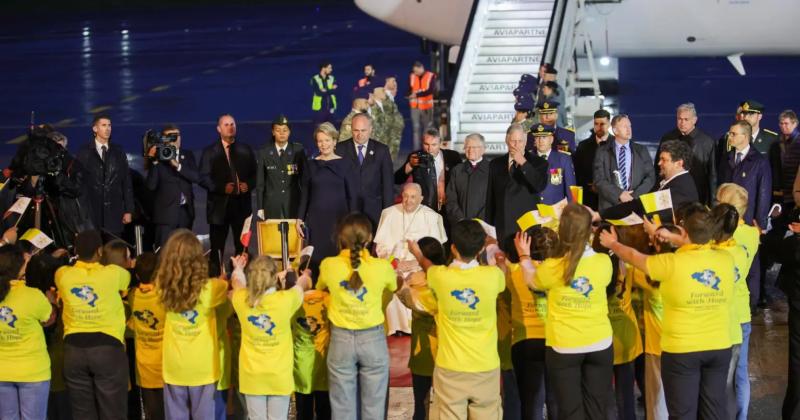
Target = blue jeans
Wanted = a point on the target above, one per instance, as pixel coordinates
(24, 400)
(742, 378)
(358, 362)
(189, 402)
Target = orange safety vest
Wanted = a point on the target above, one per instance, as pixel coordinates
(420, 84)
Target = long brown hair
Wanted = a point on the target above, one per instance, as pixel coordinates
(182, 271)
(354, 233)
(574, 230)
(257, 281)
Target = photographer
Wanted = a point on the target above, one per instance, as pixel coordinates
(108, 187)
(430, 168)
(170, 176)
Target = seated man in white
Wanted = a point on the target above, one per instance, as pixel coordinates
(409, 220)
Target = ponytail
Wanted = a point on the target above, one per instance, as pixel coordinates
(354, 233)
(355, 281)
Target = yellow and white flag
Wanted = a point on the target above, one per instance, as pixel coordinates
(554, 210)
(656, 201)
(490, 230)
(36, 237)
(630, 220)
(532, 218)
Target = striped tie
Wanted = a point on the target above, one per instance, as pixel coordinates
(622, 164)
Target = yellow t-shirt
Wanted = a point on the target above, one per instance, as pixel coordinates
(356, 309)
(266, 358)
(577, 312)
(312, 335)
(504, 330)
(528, 308)
(696, 288)
(190, 354)
(740, 269)
(91, 296)
(23, 351)
(627, 340)
(653, 313)
(466, 318)
(147, 322)
(222, 313)
(748, 237)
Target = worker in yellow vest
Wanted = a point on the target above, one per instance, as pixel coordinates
(422, 86)
(323, 101)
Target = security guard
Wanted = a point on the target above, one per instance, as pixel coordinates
(560, 172)
(280, 163)
(548, 115)
(762, 139)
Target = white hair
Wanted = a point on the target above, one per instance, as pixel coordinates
(688, 106)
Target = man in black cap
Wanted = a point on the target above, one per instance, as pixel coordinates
(548, 115)
(762, 139)
(280, 163)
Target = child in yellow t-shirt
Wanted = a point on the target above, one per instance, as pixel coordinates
(147, 322)
(358, 356)
(24, 362)
(312, 334)
(266, 354)
(190, 354)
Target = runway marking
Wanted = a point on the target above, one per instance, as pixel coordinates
(227, 65)
(98, 109)
(130, 98)
(65, 121)
(209, 71)
(160, 88)
(185, 79)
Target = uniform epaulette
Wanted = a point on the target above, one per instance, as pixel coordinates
(769, 131)
(570, 129)
(566, 153)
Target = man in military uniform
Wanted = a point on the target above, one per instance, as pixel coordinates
(280, 163)
(523, 116)
(360, 104)
(560, 173)
(394, 119)
(762, 139)
(380, 119)
(564, 138)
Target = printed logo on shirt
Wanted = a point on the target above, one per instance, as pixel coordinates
(467, 297)
(263, 322)
(582, 286)
(7, 316)
(707, 278)
(310, 324)
(746, 252)
(190, 315)
(736, 274)
(147, 317)
(86, 294)
(359, 294)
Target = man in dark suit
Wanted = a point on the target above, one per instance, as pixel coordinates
(516, 181)
(744, 165)
(107, 181)
(623, 170)
(280, 163)
(674, 171)
(227, 172)
(171, 181)
(375, 168)
(430, 168)
(703, 162)
(583, 158)
(466, 189)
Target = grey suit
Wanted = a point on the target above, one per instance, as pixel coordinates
(642, 173)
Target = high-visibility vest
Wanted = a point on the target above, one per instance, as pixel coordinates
(363, 81)
(420, 84)
(316, 100)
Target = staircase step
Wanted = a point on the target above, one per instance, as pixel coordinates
(544, 13)
(504, 97)
(530, 59)
(515, 41)
(517, 23)
(484, 128)
(520, 5)
(523, 31)
(484, 51)
(488, 106)
(498, 78)
(485, 89)
(517, 69)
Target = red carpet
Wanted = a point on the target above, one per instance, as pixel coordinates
(399, 348)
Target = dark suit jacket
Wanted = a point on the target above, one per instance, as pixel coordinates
(215, 172)
(642, 175)
(168, 184)
(704, 156)
(375, 176)
(754, 175)
(108, 188)
(278, 180)
(682, 189)
(466, 192)
(511, 194)
(426, 177)
(583, 161)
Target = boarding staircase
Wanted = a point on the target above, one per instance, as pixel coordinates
(503, 40)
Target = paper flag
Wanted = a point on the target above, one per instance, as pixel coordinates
(552, 210)
(489, 229)
(656, 201)
(577, 193)
(532, 218)
(37, 238)
(630, 220)
(244, 238)
(19, 206)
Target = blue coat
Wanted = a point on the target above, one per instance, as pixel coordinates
(563, 140)
(560, 176)
(753, 174)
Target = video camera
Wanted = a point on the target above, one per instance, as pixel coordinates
(165, 149)
(40, 154)
(425, 159)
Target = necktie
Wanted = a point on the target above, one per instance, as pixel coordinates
(738, 158)
(280, 153)
(543, 156)
(103, 152)
(623, 168)
(360, 154)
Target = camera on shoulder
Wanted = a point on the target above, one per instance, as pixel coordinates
(163, 143)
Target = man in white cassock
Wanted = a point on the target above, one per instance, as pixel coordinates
(409, 220)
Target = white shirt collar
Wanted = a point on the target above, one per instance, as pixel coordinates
(366, 146)
(755, 132)
(99, 147)
(464, 266)
(281, 149)
(667, 181)
(475, 162)
(546, 154)
(744, 151)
